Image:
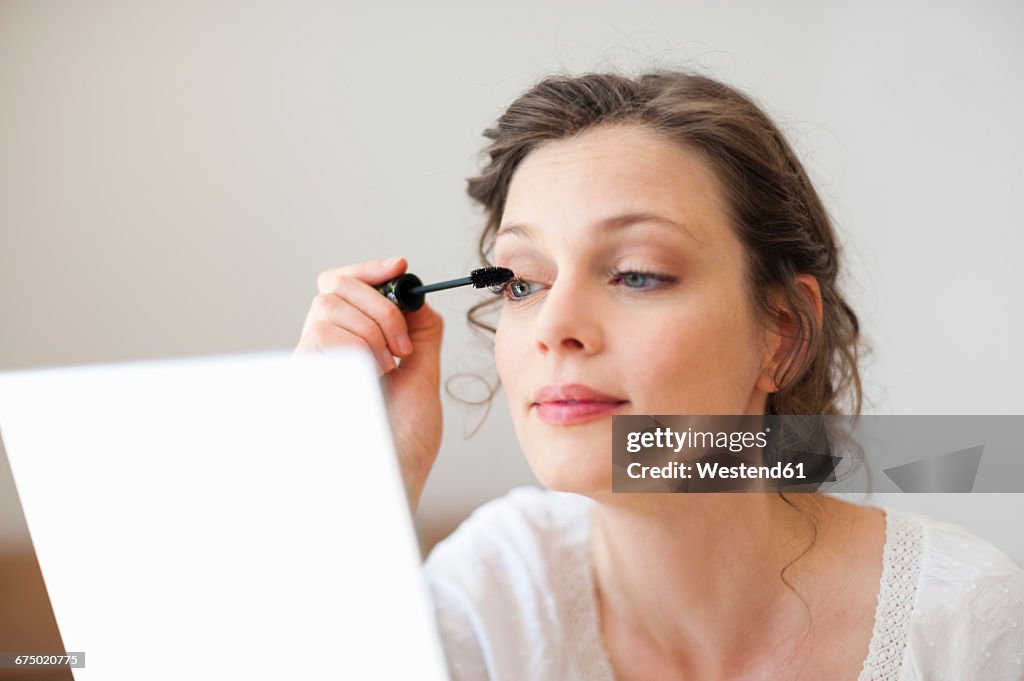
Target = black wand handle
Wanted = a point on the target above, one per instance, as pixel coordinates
(399, 291)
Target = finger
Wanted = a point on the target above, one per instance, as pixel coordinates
(326, 336)
(377, 307)
(426, 329)
(372, 272)
(341, 315)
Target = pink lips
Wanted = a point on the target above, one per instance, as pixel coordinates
(574, 403)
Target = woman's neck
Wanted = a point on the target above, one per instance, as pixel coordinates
(694, 579)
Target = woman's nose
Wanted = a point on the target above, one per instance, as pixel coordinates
(568, 319)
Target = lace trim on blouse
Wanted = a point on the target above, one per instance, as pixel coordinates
(901, 571)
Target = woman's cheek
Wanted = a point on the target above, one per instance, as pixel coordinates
(674, 373)
(503, 346)
(499, 353)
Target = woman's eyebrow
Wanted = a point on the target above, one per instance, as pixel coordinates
(617, 221)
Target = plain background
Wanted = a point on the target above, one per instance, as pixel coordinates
(174, 174)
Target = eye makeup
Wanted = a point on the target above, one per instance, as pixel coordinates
(633, 280)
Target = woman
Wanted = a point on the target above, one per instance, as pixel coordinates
(671, 257)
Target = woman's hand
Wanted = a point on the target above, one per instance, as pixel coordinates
(349, 311)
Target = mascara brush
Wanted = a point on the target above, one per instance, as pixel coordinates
(408, 292)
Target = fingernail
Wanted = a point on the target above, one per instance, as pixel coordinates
(404, 344)
(391, 262)
(386, 360)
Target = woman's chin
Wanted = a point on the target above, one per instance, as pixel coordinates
(577, 476)
(576, 459)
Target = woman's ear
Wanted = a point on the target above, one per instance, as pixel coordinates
(784, 331)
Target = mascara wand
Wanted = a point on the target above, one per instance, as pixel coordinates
(408, 292)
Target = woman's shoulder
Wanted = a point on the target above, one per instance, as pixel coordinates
(956, 557)
(967, 611)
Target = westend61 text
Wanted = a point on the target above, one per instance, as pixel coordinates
(714, 471)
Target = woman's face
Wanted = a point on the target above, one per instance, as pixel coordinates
(629, 281)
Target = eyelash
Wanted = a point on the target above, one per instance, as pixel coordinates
(503, 290)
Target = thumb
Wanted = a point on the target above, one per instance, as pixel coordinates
(426, 328)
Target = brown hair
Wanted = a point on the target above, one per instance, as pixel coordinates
(773, 207)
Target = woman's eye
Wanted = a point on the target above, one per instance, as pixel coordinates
(516, 289)
(641, 280)
(634, 279)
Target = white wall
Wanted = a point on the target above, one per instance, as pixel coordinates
(173, 175)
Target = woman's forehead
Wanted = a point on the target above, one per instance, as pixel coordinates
(618, 223)
(609, 172)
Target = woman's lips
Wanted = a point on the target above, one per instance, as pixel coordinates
(577, 411)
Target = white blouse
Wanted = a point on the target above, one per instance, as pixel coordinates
(514, 597)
